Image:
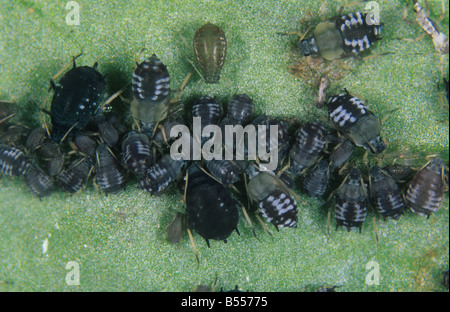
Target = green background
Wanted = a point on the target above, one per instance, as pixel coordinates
(119, 240)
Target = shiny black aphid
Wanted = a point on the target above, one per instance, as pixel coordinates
(273, 199)
(136, 153)
(212, 211)
(75, 101)
(210, 49)
(75, 176)
(240, 109)
(161, 174)
(226, 171)
(316, 181)
(13, 162)
(109, 174)
(351, 202)
(39, 183)
(151, 92)
(426, 190)
(355, 121)
(309, 143)
(342, 36)
(385, 194)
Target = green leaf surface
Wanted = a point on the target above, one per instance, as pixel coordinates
(119, 241)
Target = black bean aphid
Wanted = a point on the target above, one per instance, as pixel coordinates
(240, 109)
(13, 162)
(342, 36)
(39, 183)
(385, 194)
(340, 154)
(210, 49)
(316, 181)
(425, 192)
(213, 214)
(351, 202)
(75, 101)
(75, 176)
(151, 92)
(355, 121)
(309, 143)
(226, 171)
(85, 144)
(136, 153)
(109, 174)
(208, 109)
(273, 199)
(161, 174)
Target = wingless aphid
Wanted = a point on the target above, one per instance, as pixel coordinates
(212, 211)
(151, 93)
(351, 202)
(13, 162)
(425, 192)
(240, 109)
(75, 176)
(75, 101)
(109, 174)
(385, 194)
(39, 183)
(342, 36)
(224, 170)
(356, 122)
(210, 49)
(136, 153)
(316, 181)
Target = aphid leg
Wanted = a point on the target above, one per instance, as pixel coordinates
(105, 105)
(183, 85)
(266, 229)
(375, 231)
(67, 133)
(248, 220)
(7, 118)
(194, 247)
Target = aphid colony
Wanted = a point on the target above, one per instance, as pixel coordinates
(101, 145)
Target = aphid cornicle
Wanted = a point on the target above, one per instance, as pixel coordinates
(109, 174)
(75, 101)
(342, 36)
(273, 198)
(356, 122)
(210, 49)
(213, 214)
(316, 181)
(385, 194)
(39, 183)
(351, 202)
(13, 162)
(75, 176)
(136, 153)
(425, 192)
(161, 174)
(309, 143)
(151, 92)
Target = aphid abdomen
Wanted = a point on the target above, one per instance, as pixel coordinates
(316, 181)
(356, 122)
(351, 202)
(309, 143)
(160, 175)
(109, 174)
(212, 211)
(74, 178)
(136, 153)
(39, 183)
(210, 49)
(424, 194)
(240, 109)
(226, 171)
(76, 99)
(151, 91)
(208, 109)
(385, 194)
(13, 162)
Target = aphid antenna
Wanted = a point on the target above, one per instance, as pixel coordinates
(136, 60)
(112, 98)
(7, 118)
(195, 68)
(181, 90)
(67, 133)
(65, 67)
(194, 247)
(264, 226)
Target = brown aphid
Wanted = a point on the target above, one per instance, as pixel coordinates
(210, 48)
(425, 192)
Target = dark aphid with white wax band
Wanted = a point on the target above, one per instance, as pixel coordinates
(385, 194)
(208, 109)
(75, 101)
(161, 174)
(210, 49)
(151, 92)
(351, 202)
(75, 176)
(309, 143)
(426, 190)
(212, 211)
(109, 174)
(356, 122)
(272, 198)
(136, 153)
(39, 183)
(342, 36)
(13, 162)
(316, 180)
